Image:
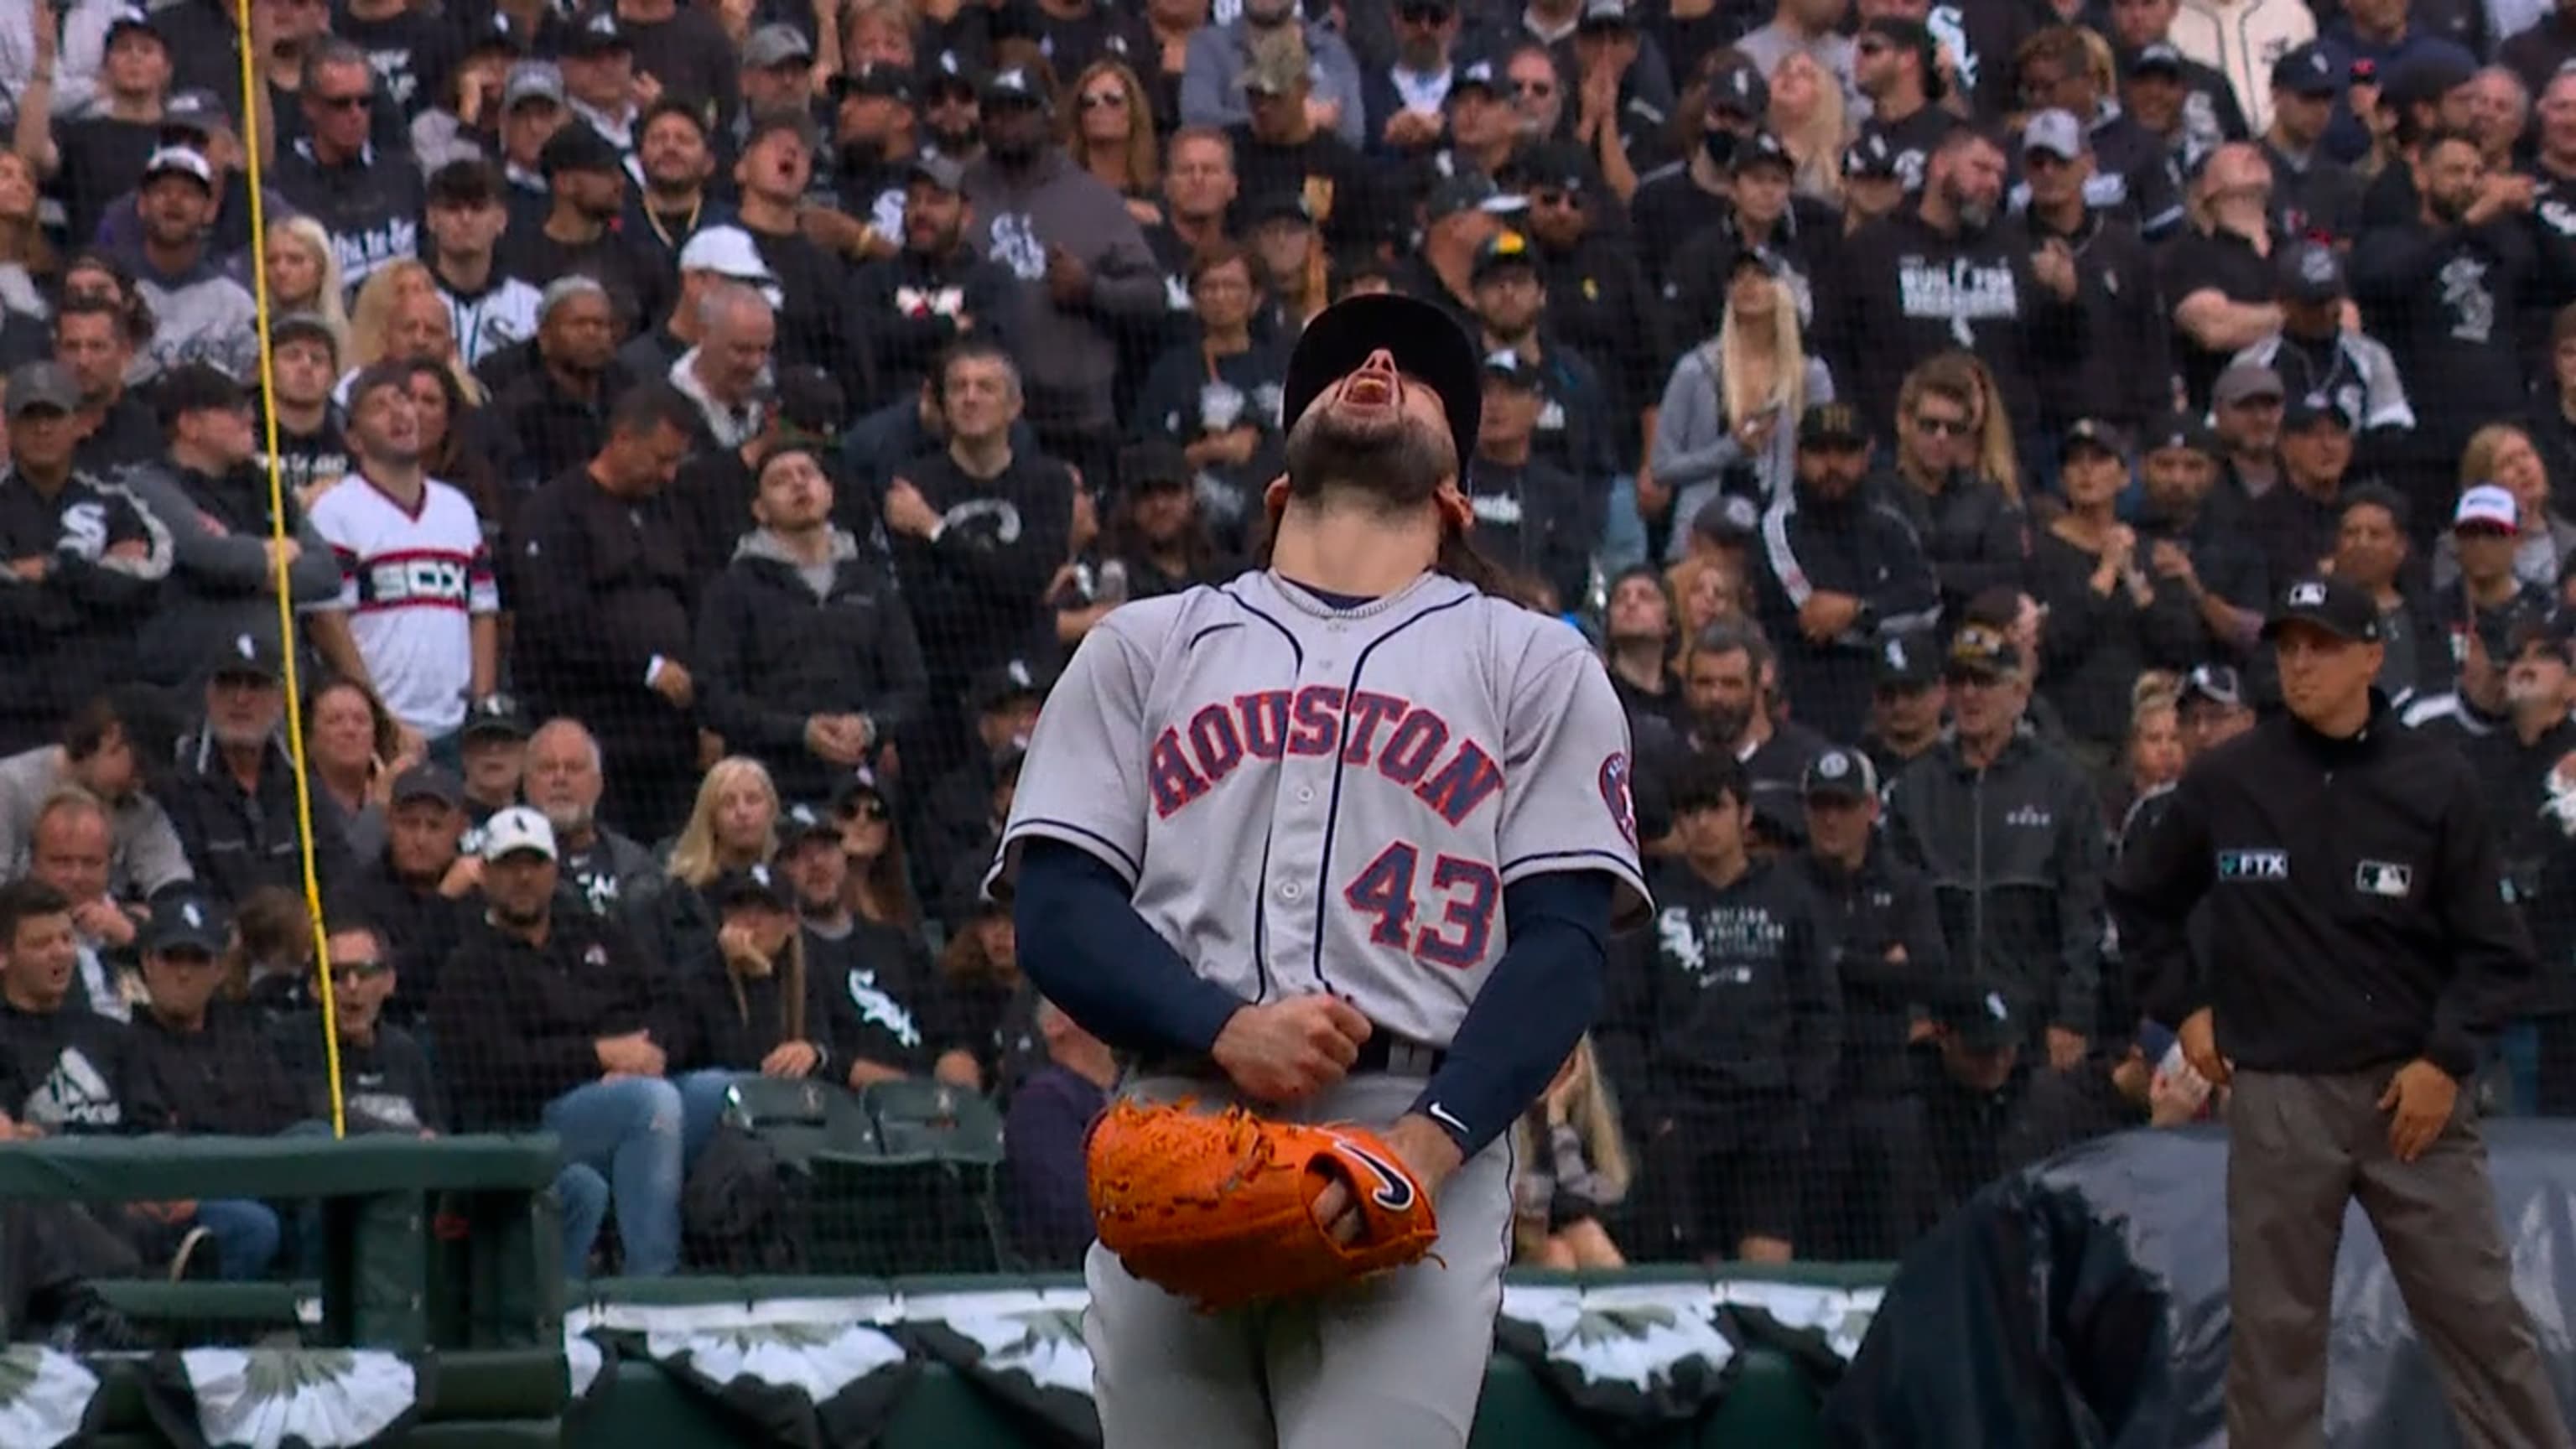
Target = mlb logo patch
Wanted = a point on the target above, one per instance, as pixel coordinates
(2379, 878)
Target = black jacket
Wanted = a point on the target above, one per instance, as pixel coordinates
(385, 1085)
(1967, 1128)
(772, 653)
(419, 927)
(1887, 952)
(519, 1025)
(2062, 1109)
(1974, 535)
(1727, 999)
(239, 840)
(68, 635)
(736, 1020)
(1856, 545)
(2358, 915)
(977, 593)
(2016, 853)
(602, 586)
(556, 429)
(222, 1079)
(2538, 859)
(2119, 365)
(2096, 644)
(917, 306)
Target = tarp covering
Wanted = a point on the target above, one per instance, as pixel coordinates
(2083, 1302)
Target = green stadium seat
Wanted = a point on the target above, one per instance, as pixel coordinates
(801, 1119)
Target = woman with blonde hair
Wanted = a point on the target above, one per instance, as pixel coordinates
(1807, 115)
(304, 276)
(879, 32)
(379, 302)
(732, 826)
(1705, 588)
(1106, 124)
(28, 263)
(1572, 1167)
(2152, 757)
(1729, 419)
(2503, 454)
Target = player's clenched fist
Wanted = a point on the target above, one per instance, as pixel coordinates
(1286, 1051)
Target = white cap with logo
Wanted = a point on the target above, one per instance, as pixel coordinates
(518, 829)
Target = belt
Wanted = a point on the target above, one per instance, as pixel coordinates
(1384, 1051)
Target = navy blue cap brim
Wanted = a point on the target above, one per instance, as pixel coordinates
(1426, 344)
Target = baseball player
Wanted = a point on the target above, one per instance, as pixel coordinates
(1339, 841)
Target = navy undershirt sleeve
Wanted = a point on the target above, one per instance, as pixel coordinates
(1538, 1002)
(1085, 946)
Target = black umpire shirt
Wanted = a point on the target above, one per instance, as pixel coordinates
(2357, 910)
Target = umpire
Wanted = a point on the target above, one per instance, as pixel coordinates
(2359, 947)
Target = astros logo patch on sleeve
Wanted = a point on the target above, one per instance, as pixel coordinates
(1617, 794)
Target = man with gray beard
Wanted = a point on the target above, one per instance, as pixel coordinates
(1940, 276)
(232, 797)
(609, 874)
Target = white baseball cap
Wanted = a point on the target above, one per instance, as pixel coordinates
(729, 252)
(2487, 504)
(516, 829)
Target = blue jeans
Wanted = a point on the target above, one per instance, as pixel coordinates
(635, 1133)
(583, 1198)
(702, 1102)
(1623, 533)
(245, 1233)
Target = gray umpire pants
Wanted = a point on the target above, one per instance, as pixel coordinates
(2300, 1148)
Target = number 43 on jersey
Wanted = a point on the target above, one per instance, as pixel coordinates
(1465, 893)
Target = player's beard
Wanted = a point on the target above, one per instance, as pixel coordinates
(1385, 452)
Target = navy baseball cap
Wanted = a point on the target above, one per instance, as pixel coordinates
(1984, 1017)
(2179, 430)
(756, 883)
(2308, 71)
(1838, 771)
(2325, 602)
(186, 921)
(1425, 343)
(2312, 273)
(428, 782)
(1908, 662)
(2219, 684)
(1869, 158)
(808, 822)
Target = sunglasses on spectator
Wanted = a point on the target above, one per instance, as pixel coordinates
(1944, 427)
(865, 808)
(1534, 88)
(361, 969)
(348, 102)
(1105, 101)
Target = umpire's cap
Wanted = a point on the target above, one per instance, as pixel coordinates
(1425, 343)
(2324, 602)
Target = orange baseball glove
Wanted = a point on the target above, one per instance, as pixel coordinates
(1218, 1208)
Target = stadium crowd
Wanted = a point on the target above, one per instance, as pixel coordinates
(704, 428)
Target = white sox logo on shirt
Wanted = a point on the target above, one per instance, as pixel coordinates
(1185, 763)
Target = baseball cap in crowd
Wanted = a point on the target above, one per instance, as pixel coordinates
(517, 830)
(730, 253)
(1154, 463)
(940, 172)
(1832, 425)
(1869, 158)
(250, 654)
(1476, 75)
(1280, 63)
(2555, 628)
(2089, 433)
(2486, 506)
(194, 113)
(576, 147)
(1004, 683)
(428, 782)
(2156, 59)
(2244, 382)
(876, 79)
(130, 17)
(2154, 1040)
(532, 80)
(1277, 205)
(1907, 663)
(2217, 683)
(860, 784)
(1013, 87)
(2342, 609)
(1842, 772)
(2178, 430)
(2055, 132)
(1738, 86)
(2307, 70)
(1982, 651)
(597, 34)
(803, 821)
(757, 884)
(1762, 148)
(948, 74)
(2311, 273)
(186, 921)
(1504, 251)
(1554, 166)
(1729, 520)
(1426, 343)
(2422, 79)
(179, 161)
(1984, 1018)
(495, 714)
(41, 384)
(197, 387)
(1468, 191)
(1604, 15)
(500, 35)
(1505, 365)
(776, 45)
(2309, 409)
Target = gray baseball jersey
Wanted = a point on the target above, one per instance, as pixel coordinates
(1307, 799)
